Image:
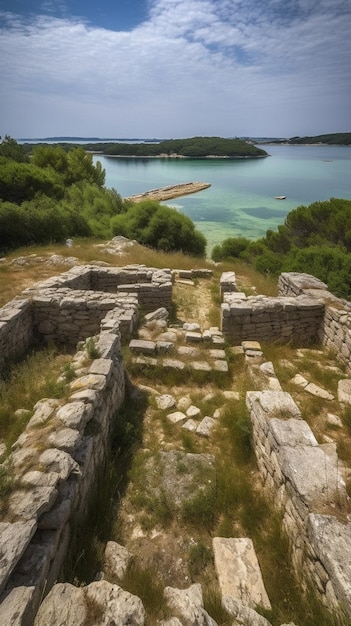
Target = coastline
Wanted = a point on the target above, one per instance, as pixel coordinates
(169, 192)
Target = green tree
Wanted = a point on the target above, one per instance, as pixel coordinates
(10, 149)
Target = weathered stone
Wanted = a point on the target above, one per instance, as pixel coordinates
(76, 415)
(334, 421)
(113, 605)
(14, 539)
(299, 380)
(217, 354)
(187, 351)
(59, 461)
(344, 391)
(206, 426)
(193, 337)
(242, 613)
(158, 314)
(183, 403)
(25, 504)
(238, 571)
(193, 411)
(176, 417)
(188, 603)
(165, 401)
(65, 605)
(191, 326)
(220, 366)
(190, 425)
(292, 432)
(141, 346)
(331, 541)
(201, 366)
(16, 606)
(173, 364)
(315, 390)
(116, 561)
(66, 439)
(163, 347)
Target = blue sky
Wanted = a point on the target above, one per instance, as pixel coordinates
(174, 68)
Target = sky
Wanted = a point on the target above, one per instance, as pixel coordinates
(174, 68)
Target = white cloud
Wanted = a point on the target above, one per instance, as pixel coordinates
(196, 66)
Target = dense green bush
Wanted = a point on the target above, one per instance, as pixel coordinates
(315, 239)
(160, 227)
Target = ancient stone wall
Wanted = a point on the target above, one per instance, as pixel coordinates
(16, 330)
(70, 307)
(335, 331)
(305, 483)
(288, 319)
(55, 462)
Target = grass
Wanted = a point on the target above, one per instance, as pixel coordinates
(148, 586)
(25, 383)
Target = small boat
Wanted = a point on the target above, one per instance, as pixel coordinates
(280, 197)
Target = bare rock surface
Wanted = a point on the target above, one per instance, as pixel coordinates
(116, 560)
(14, 539)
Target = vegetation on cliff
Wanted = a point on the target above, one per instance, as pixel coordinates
(58, 194)
(314, 239)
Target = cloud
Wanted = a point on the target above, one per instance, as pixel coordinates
(195, 66)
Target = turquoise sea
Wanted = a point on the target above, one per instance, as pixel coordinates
(241, 200)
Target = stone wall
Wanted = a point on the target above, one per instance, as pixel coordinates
(259, 318)
(305, 484)
(70, 307)
(16, 330)
(335, 331)
(55, 462)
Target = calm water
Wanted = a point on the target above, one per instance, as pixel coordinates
(241, 200)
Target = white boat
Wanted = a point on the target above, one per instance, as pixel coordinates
(280, 197)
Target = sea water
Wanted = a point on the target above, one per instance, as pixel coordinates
(242, 198)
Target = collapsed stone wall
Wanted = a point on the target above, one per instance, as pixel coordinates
(16, 330)
(305, 484)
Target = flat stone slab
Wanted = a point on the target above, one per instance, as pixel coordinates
(292, 432)
(202, 366)
(299, 380)
(274, 403)
(173, 364)
(319, 392)
(238, 571)
(193, 337)
(313, 476)
(142, 346)
(191, 326)
(251, 345)
(216, 353)
(220, 366)
(188, 351)
(177, 416)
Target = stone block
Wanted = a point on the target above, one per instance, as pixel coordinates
(238, 571)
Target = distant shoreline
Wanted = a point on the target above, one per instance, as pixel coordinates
(169, 192)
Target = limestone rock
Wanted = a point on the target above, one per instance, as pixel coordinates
(315, 390)
(176, 417)
(60, 462)
(14, 539)
(16, 606)
(65, 439)
(334, 421)
(238, 571)
(344, 391)
(64, 606)
(205, 427)
(165, 401)
(116, 560)
(77, 414)
(190, 425)
(193, 411)
(142, 346)
(113, 605)
(188, 603)
(331, 541)
(158, 314)
(242, 613)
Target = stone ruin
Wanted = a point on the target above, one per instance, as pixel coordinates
(53, 484)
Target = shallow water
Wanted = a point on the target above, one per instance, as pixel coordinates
(241, 200)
